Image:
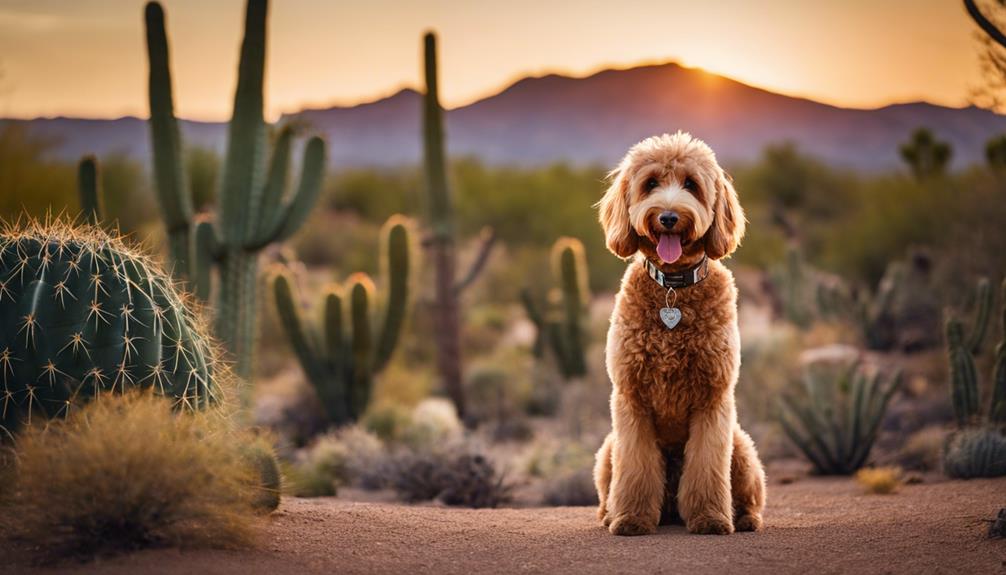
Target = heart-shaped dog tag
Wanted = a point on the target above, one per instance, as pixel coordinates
(670, 316)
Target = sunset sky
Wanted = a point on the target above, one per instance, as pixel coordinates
(87, 57)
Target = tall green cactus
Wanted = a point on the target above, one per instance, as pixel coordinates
(341, 364)
(978, 448)
(82, 314)
(926, 156)
(255, 208)
(835, 421)
(440, 218)
(560, 320)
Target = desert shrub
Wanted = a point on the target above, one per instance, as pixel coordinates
(471, 480)
(570, 488)
(835, 420)
(387, 421)
(126, 473)
(433, 422)
(921, 451)
(879, 480)
(349, 456)
(456, 474)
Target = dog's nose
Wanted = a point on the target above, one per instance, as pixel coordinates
(668, 219)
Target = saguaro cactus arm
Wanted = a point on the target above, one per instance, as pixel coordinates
(281, 216)
(169, 172)
(395, 272)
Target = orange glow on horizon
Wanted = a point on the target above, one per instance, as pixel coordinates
(847, 53)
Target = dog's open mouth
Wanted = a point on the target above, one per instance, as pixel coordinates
(669, 248)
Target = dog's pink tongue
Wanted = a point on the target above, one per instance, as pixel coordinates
(669, 248)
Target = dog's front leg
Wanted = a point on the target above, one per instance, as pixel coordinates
(637, 479)
(704, 497)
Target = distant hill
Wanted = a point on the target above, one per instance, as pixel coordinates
(591, 120)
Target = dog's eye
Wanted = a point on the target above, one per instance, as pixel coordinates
(651, 184)
(690, 184)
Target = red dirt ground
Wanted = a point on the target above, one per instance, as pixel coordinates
(814, 525)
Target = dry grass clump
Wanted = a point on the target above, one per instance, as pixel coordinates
(880, 480)
(126, 473)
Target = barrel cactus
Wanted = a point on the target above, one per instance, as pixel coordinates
(978, 447)
(341, 363)
(83, 314)
(560, 319)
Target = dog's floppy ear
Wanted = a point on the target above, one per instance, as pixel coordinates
(619, 236)
(727, 229)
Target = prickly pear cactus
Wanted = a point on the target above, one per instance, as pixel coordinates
(81, 315)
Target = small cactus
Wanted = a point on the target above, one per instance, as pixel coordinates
(836, 421)
(82, 314)
(978, 448)
(560, 320)
(975, 452)
(88, 188)
(340, 364)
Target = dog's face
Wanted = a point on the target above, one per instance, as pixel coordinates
(672, 202)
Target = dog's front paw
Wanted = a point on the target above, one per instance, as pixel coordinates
(710, 525)
(630, 525)
(606, 520)
(749, 522)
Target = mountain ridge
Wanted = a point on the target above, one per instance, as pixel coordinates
(589, 119)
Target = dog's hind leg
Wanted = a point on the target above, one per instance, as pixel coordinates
(637, 478)
(602, 478)
(747, 483)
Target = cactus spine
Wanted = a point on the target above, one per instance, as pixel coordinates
(978, 448)
(255, 208)
(836, 421)
(82, 315)
(441, 229)
(560, 327)
(341, 365)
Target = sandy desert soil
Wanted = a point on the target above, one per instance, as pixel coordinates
(814, 525)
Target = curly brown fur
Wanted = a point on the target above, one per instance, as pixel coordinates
(676, 449)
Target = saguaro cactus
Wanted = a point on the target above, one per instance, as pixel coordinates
(995, 152)
(560, 319)
(978, 448)
(255, 209)
(440, 218)
(82, 314)
(341, 364)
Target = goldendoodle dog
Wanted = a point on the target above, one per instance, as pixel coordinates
(673, 350)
